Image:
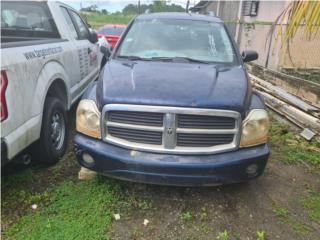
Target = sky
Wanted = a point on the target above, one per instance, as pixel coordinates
(118, 5)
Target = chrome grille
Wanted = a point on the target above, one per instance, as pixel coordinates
(171, 129)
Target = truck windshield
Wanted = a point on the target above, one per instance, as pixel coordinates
(117, 31)
(171, 38)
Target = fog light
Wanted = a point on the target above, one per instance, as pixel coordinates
(87, 158)
(252, 169)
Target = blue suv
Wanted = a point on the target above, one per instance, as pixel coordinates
(173, 105)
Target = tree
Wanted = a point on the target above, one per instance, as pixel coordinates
(130, 9)
(158, 6)
(104, 11)
(94, 7)
(297, 13)
(91, 8)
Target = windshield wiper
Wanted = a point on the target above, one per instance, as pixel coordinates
(180, 58)
(169, 59)
(19, 28)
(133, 58)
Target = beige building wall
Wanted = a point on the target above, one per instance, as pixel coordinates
(303, 52)
(268, 11)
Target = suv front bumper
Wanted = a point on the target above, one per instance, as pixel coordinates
(168, 169)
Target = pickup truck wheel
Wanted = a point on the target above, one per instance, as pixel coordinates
(54, 132)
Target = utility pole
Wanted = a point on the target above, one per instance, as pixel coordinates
(139, 7)
(187, 7)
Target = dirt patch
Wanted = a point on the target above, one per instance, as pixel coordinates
(241, 209)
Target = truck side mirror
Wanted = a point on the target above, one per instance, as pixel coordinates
(93, 36)
(105, 51)
(249, 55)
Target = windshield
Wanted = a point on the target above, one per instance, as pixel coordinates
(170, 38)
(111, 31)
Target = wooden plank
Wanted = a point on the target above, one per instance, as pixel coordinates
(295, 115)
(283, 95)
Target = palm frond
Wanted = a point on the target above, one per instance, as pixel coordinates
(305, 14)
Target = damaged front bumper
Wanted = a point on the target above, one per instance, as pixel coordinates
(168, 169)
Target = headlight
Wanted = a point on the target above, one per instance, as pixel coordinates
(255, 128)
(88, 118)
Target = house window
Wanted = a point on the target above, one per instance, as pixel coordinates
(250, 8)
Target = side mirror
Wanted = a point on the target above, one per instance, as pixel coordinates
(93, 36)
(249, 55)
(105, 51)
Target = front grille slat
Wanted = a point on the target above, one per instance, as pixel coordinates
(177, 130)
(205, 122)
(203, 140)
(140, 136)
(138, 118)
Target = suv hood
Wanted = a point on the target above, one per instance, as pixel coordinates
(174, 84)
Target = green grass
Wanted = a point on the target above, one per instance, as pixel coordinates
(282, 213)
(261, 235)
(15, 191)
(205, 228)
(186, 216)
(98, 20)
(223, 235)
(18, 178)
(294, 149)
(203, 214)
(75, 210)
(285, 218)
(312, 205)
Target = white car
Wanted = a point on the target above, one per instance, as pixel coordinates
(48, 59)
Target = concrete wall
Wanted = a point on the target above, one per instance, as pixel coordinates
(304, 52)
(228, 11)
(254, 37)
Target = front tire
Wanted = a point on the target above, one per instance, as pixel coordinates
(54, 132)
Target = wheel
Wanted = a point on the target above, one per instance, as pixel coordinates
(54, 132)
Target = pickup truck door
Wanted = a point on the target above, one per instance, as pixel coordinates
(87, 52)
(73, 63)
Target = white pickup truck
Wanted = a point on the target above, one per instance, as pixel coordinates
(48, 59)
